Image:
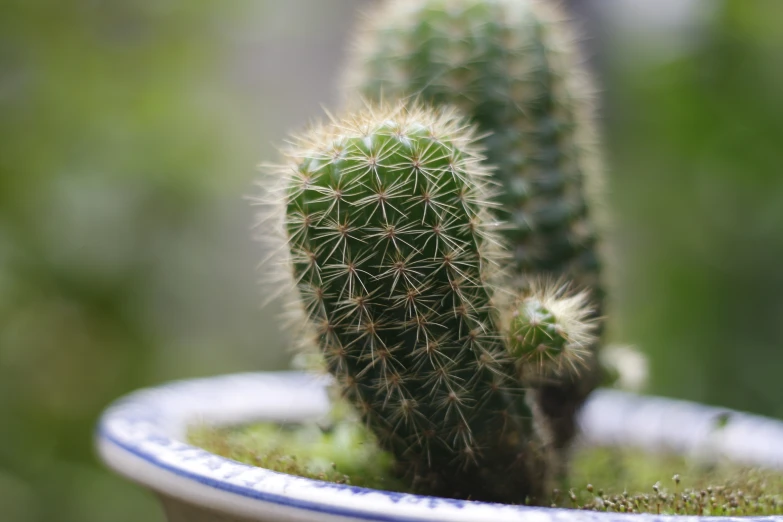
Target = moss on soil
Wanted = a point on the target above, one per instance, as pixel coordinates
(616, 480)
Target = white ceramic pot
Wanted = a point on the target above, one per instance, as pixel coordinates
(142, 437)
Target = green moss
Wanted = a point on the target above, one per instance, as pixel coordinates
(341, 452)
(617, 480)
(630, 481)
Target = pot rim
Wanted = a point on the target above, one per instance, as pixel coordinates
(142, 436)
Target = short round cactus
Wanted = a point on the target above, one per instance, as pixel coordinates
(393, 251)
(550, 333)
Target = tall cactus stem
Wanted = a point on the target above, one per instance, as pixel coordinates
(512, 67)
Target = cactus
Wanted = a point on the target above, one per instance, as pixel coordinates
(390, 238)
(509, 65)
(393, 251)
(550, 332)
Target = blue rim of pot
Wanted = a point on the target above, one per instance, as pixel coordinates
(142, 436)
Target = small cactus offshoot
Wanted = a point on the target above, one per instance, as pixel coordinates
(394, 253)
(550, 332)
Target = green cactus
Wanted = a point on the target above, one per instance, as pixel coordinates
(550, 332)
(511, 66)
(392, 247)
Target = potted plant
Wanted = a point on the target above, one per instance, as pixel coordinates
(439, 239)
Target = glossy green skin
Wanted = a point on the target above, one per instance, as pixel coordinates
(501, 63)
(415, 349)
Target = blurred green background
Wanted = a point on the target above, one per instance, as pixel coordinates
(129, 134)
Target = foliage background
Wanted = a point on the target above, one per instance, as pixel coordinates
(129, 132)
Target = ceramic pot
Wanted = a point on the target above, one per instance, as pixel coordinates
(142, 435)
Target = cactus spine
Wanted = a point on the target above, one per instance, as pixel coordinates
(392, 248)
(510, 66)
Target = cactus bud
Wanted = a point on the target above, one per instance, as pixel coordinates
(550, 331)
